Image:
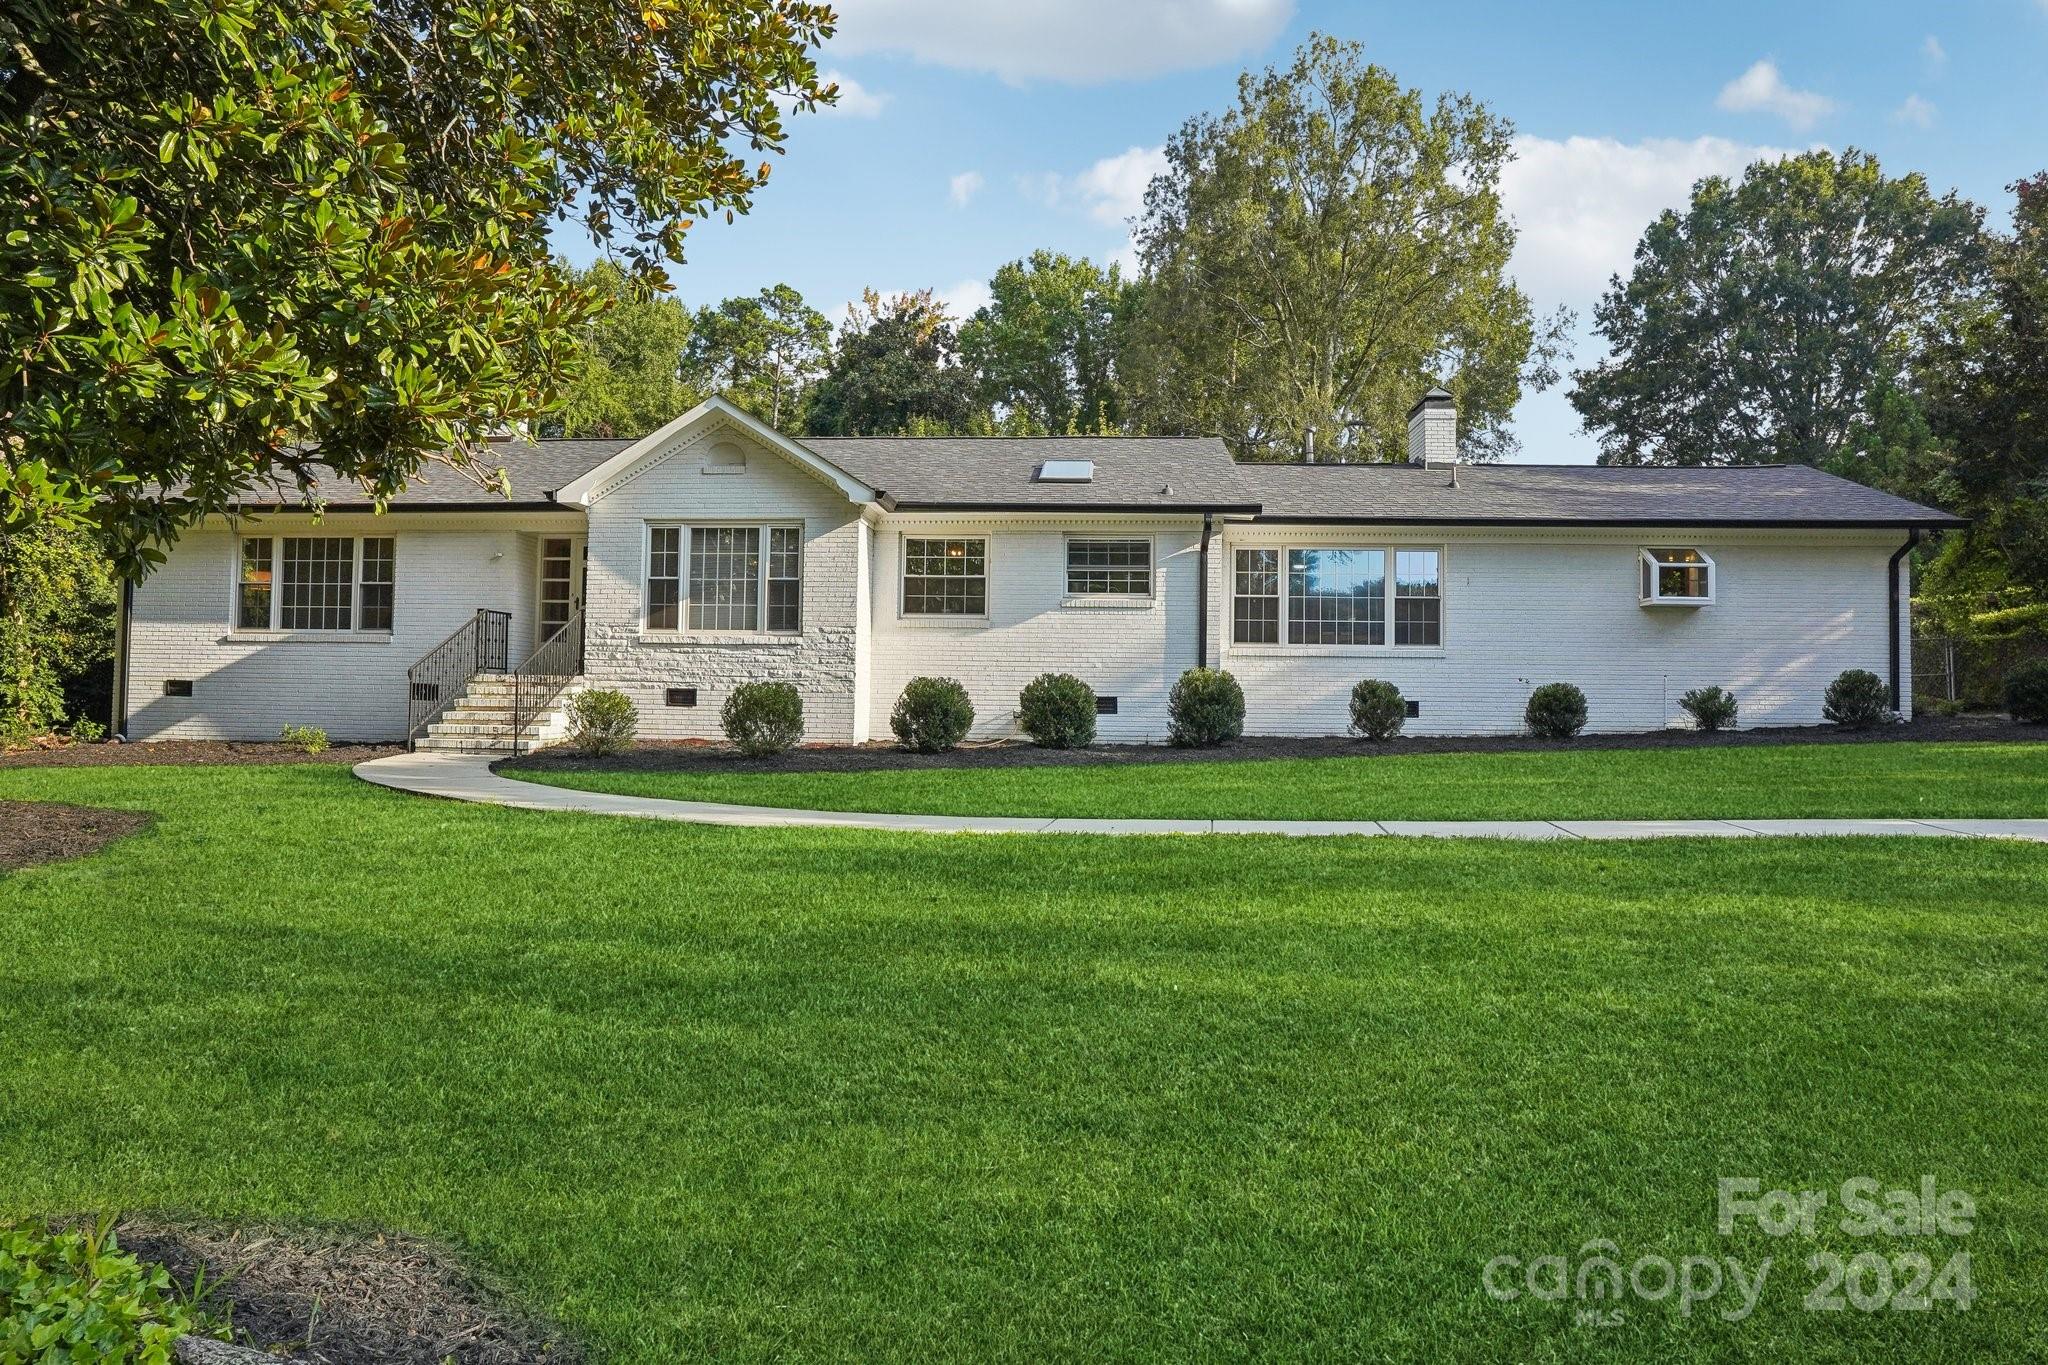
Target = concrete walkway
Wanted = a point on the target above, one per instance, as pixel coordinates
(468, 777)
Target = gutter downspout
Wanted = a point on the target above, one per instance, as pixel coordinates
(1202, 593)
(1892, 599)
(122, 628)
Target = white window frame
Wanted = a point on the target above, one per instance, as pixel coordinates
(1108, 599)
(988, 579)
(276, 539)
(1647, 565)
(1391, 549)
(684, 529)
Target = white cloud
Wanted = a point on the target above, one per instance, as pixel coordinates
(1936, 54)
(1581, 204)
(1076, 42)
(964, 298)
(855, 99)
(963, 187)
(1916, 111)
(1111, 191)
(1761, 90)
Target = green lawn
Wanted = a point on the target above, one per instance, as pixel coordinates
(840, 1095)
(1793, 782)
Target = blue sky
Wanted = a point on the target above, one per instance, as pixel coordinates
(971, 132)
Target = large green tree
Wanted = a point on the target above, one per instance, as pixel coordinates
(1323, 252)
(256, 242)
(895, 370)
(1047, 342)
(632, 376)
(1767, 322)
(763, 351)
(57, 595)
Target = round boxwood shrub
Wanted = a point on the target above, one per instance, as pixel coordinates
(602, 720)
(1856, 700)
(1711, 708)
(1556, 711)
(1058, 711)
(1378, 710)
(763, 718)
(2026, 692)
(1205, 707)
(932, 715)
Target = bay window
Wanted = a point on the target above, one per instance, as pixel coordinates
(1677, 577)
(1345, 596)
(315, 583)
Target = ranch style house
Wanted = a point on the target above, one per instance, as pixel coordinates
(718, 550)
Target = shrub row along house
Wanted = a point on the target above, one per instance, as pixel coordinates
(718, 551)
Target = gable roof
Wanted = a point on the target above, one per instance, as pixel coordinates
(585, 486)
(1572, 495)
(1000, 473)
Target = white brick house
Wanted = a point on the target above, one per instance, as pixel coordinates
(717, 551)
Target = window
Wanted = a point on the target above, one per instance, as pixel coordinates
(1418, 605)
(945, 577)
(1336, 597)
(1255, 598)
(1682, 577)
(1109, 568)
(326, 583)
(725, 582)
(664, 576)
(378, 577)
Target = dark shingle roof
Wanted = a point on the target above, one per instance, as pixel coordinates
(1138, 473)
(1550, 495)
(533, 468)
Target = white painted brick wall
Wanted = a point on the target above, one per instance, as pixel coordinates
(249, 686)
(821, 660)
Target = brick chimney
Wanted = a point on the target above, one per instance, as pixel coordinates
(1433, 429)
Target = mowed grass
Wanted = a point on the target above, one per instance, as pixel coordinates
(848, 1096)
(1953, 780)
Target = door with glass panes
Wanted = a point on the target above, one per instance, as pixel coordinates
(561, 583)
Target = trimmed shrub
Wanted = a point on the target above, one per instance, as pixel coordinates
(1856, 700)
(78, 1296)
(932, 716)
(1058, 711)
(2026, 692)
(1378, 710)
(1205, 707)
(1556, 711)
(309, 739)
(602, 720)
(86, 731)
(763, 718)
(1711, 708)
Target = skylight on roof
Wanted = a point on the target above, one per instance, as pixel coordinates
(1067, 471)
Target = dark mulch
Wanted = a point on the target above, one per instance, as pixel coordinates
(34, 832)
(698, 756)
(184, 751)
(346, 1299)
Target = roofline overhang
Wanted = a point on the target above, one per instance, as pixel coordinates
(1590, 523)
(1179, 508)
(353, 508)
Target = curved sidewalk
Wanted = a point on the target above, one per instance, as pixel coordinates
(468, 777)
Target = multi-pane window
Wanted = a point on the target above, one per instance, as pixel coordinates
(315, 583)
(1418, 599)
(945, 577)
(730, 578)
(664, 576)
(785, 578)
(378, 577)
(1336, 597)
(1681, 575)
(252, 593)
(1109, 568)
(1255, 598)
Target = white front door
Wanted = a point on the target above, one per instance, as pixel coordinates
(561, 583)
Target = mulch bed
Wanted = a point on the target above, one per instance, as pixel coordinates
(185, 751)
(700, 756)
(34, 832)
(347, 1299)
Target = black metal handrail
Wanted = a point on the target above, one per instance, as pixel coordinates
(480, 645)
(542, 675)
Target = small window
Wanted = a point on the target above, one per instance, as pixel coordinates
(1105, 706)
(945, 577)
(177, 687)
(1414, 708)
(1418, 601)
(379, 574)
(1679, 576)
(252, 600)
(785, 579)
(664, 576)
(682, 696)
(1109, 568)
(1255, 598)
